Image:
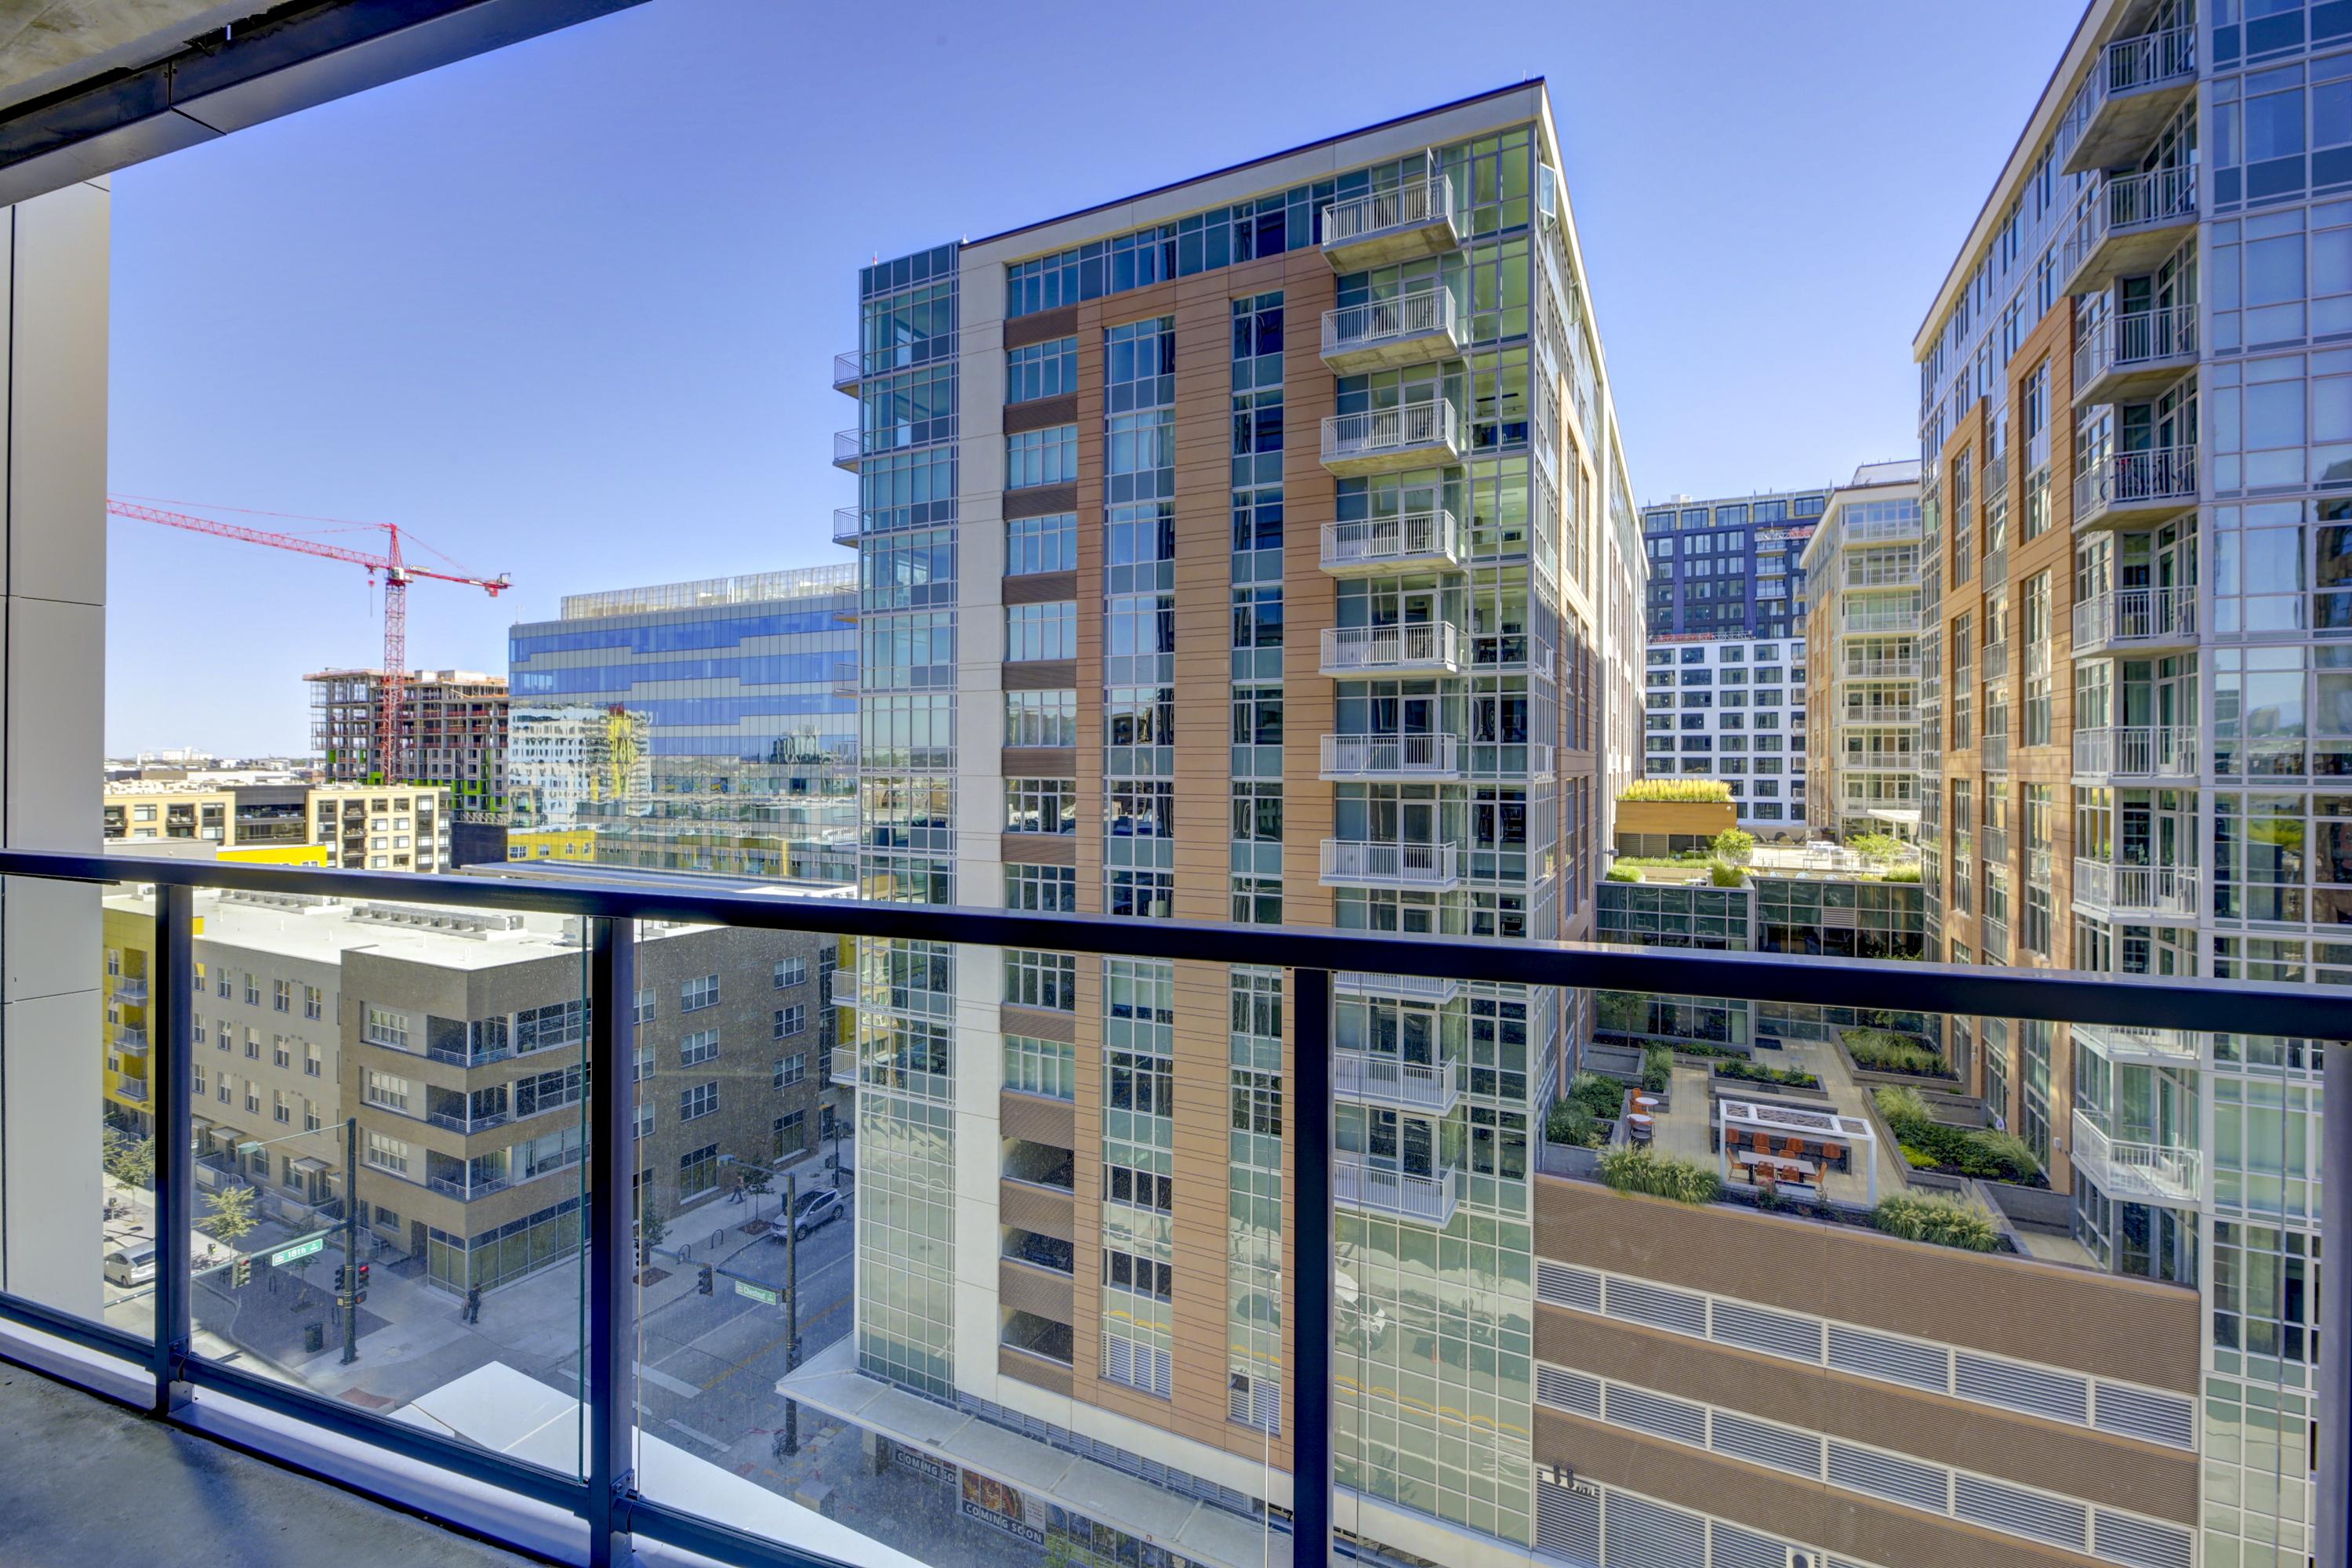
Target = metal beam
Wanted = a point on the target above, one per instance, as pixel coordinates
(277, 61)
(611, 1264)
(1309, 1321)
(171, 1075)
(2063, 996)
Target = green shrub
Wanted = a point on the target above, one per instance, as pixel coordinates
(1621, 873)
(1713, 791)
(1734, 844)
(1752, 1072)
(1883, 1051)
(1968, 1151)
(1603, 1097)
(1570, 1121)
(1902, 874)
(1657, 1069)
(1644, 1170)
(1942, 1221)
(1878, 848)
(1724, 874)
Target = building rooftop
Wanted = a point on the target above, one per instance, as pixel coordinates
(757, 587)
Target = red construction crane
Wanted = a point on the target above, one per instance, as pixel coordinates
(397, 574)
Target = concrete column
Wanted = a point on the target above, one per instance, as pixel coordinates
(53, 263)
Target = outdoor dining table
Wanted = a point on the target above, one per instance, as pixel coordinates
(1774, 1127)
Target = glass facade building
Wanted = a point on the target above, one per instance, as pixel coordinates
(707, 726)
(1729, 568)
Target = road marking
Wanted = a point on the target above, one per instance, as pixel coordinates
(698, 1436)
(815, 1317)
(660, 1379)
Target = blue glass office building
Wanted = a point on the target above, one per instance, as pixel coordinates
(1729, 568)
(707, 726)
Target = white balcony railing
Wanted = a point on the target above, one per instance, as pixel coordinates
(1422, 644)
(845, 1064)
(2157, 476)
(2136, 340)
(2135, 616)
(130, 988)
(1409, 429)
(2124, 205)
(1383, 542)
(2157, 751)
(2142, 1044)
(1429, 1199)
(1389, 1082)
(2137, 890)
(845, 988)
(2127, 65)
(1392, 756)
(2160, 1172)
(1411, 987)
(1867, 618)
(1415, 203)
(128, 1039)
(1389, 864)
(1381, 324)
(1865, 667)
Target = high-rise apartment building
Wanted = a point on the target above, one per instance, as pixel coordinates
(707, 726)
(1729, 568)
(1255, 548)
(1862, 583)
(453, 731)
(2132, 421)
(360, 828)
(1732, 710)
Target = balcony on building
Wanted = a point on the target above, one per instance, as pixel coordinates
(1866, 619)
(848, 370)
(2134, 619)
(1433, 1087)
(848, 523)
(1431, 646)
(1993, 844)
(845, 988)
(2128, 891)
(1392, 757)
(2141, 1045)
(1424, 327)
(2136, 752)
(2128, 226)
(1426, 1200)
(1397, 987)
(2135, 1168)
(1387, 863)
(843, 1068)
(1422, 435)
(2132, 357)
(2135, 487)
(1860, 665)
(128, 989)
(848, 447)
(1404, 223)
(1993, 751)
(2135, 86)
(129, 1039)
(1410, 542)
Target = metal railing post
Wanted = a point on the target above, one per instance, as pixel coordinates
(610, 1365)
(1311, 1326)
(2335, 1386)
(171, 1075)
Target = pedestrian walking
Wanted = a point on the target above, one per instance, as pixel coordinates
(473, 1303)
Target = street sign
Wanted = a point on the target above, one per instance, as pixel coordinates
(759, 1293)
(298, 1250)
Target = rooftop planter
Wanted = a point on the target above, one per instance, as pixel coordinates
(1890, 1057)
(1732, 1076)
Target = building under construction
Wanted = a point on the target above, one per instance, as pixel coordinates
(451, 732)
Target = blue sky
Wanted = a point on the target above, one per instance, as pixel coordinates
(568, 310)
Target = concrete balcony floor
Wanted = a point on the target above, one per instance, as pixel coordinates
(193, 1497)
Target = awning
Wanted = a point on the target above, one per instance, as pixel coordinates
(1897, 814)
(310, 1164)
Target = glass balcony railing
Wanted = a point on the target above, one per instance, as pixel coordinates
(728, 1342)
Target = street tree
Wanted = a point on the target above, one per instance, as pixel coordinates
(758, 1181)
(231, 1212)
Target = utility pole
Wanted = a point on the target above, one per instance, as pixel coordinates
(791, 1305)
(350, 1238)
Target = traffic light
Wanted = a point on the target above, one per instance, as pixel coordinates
(705, 1284)
(359, 1284)
(342, 1276)
(240, 1273)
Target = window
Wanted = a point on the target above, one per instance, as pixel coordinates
(382, 1026)
(1041, 1066)
(1051, 889)
(280, 1052)
(699, 1101)
(1047, 980)
(1041, 805)
(390, 1092)
(252, 990)
(200, 979)
(791, 971)
(697, 994)
(791, 1021)
(1041, 458)
(223, 985)
(701, 1045)
(1034, 545)
(698, 1170)
(556, 1024)
(1040, 370)
(789, 1135)
(1041, 631)
(314, 1002)
(281, 1109)
(1144, 1276)
(1257, 617)
(791, 1070)
(644, 1008)
(282, 998)
(252, 1043)
(313, 1064)
(1041, 717)
(547, 1092)
(387, 1154)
